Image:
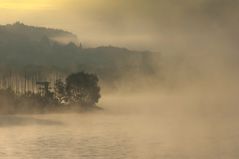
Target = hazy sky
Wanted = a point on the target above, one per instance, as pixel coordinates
(160, 25)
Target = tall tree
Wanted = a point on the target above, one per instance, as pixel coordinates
(82, 88)
(59, 89)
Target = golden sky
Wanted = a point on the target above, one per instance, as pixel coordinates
(149, 24)
(16, 5)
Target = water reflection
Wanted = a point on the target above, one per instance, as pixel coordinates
(12, 120)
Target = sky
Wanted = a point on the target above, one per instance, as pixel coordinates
(158, 25)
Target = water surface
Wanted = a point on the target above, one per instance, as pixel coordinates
(142, 128)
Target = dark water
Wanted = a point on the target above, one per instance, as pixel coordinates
(127, 128)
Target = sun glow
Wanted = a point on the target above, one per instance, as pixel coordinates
(26, 4)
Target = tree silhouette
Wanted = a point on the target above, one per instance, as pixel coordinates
(59, 91)
(82, 88)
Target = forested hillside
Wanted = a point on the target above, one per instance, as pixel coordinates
(35, 49)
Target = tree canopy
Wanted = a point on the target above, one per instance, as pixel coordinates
(82, 88)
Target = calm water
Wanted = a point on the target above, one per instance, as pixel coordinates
(146, 129)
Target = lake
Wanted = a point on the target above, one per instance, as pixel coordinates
(142, 127)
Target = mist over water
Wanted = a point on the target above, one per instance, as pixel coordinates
(198, 122)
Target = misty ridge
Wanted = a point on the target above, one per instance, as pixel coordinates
(38, 49)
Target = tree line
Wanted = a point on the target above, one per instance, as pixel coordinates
(79, 90)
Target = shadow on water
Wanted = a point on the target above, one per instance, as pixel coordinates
(9, 120)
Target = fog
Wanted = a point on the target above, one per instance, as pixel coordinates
(188, 110)
(195, 122)
(187, 124)
(183, 26)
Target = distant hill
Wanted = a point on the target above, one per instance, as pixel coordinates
(32, 33)
(23, 46)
